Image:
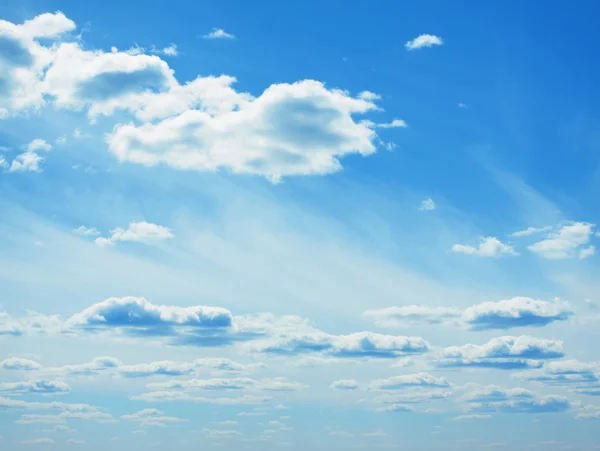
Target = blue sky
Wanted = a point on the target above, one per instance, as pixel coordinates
(299, 224)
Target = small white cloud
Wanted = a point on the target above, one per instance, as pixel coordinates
(344, 384)
(425, 40)
(531, 231)
(368, 95)
(427, 205)
(218, 33)
(488, 247)
(61, 140)
(26, 162)
(86, 231)
(38, 144)
(3, 162)
(141, 232)
(587, 252)
(462, 105)
(396, 123)
(171, 50)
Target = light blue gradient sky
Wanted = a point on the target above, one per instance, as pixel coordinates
(502, 134)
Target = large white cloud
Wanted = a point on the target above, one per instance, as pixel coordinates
(291, 129)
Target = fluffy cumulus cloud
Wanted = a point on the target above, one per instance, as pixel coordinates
(515, 400)
(139, 232)
(357, 345)
(301, 128)
(515, 312)
(585, 376)
(488, 247)
(569, 241)
(503, 353)
(504, 314)
(423, 41)
(291, 129)
(212, 326)
(139, 317)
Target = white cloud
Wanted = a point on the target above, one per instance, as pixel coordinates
(427, 205)
(409, 380)
(170, 50)
(488, 247)
(424, 40)
(531, 231)
(26, 162)
(396, 123)
(291, 129)
(566, 243)
(219, 433)
(152, 418)
(515, 312)
(462, 105)
(38, 144)
(36, 386)
(504, 314)
(344, 384)
(218, 33)
(368, 95)
(412, 314)
(242, 383)
(140, 232)
(3, 162)
(86, 231)
(61, 140)
(470, 417)
(73, 441)
(505, 352)
(19, 364)
(29, 161)
(587, 252)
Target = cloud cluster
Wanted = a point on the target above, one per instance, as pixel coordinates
(583, 377)
(504, 314)
(300, 128)
(409, 380)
